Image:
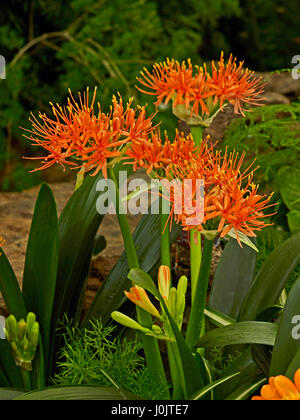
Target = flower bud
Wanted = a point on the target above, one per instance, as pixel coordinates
(31, 319)
(34, 334)
(22, 326)
(126, 321)
(11, 328)
(139, 296)
(164, 281)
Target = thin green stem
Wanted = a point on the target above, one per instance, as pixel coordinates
(195, 258)
(25, 375)
(165, 240)
(198, 304)
(150, 344)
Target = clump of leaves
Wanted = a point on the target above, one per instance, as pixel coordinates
(92, 356)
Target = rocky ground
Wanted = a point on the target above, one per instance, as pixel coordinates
(16, 209)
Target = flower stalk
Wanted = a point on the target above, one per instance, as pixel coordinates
(150, 344)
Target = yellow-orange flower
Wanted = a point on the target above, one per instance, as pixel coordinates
(281, 388)
(139, 297)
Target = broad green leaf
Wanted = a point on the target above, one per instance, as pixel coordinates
(240, 333)
(288, 340)
(271, 279)
(289, 180)
(41, 263)
(206, 389)
(111, 296)
(8, 394)
(68, 393)
(232, 279)
(244, 392)
(262, 355)
(193, 371)
(249, 373)
(294, 221)
(142, 279)
(78, 225)
(10, 289)
(294, 366)
(3, 378)
(217, 318)
(8, 365)
(268, 314)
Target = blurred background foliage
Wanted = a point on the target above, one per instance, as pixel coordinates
(51, 46)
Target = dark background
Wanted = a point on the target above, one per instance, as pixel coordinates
(51, 46)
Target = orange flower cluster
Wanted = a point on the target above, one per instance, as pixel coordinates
(78, 137)
(154, 153)
(280, 388)
(230, 197)
(200, 91)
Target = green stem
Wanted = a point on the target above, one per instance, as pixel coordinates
(165, 241)
(25, 375)
(198, 304)
(195, 258)
(150, 344)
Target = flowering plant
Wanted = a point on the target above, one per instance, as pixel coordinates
(219, 201)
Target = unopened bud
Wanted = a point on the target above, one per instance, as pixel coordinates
(22, 326)
(11, 328)
(31, 319)
(164, 281)
(126, 321)
(34, 334)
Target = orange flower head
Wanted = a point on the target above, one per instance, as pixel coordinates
(79, 137)
(280, 388)
(201, 93)
(230, 197)
(139, 297)
(234, 84)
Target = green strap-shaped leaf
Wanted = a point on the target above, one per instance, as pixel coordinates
(8, 365)
(10, 289)
(71, 393)
(288, 339)
(294, 366)
(78, 225)
(233, 279)
(206, 389)
(271, 279)
(244, 392)
(249, 373)
(241, 333)
(8, 394)
(111, 296)
(41, 263)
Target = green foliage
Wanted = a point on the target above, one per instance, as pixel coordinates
(271, 134)
(92, 356)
